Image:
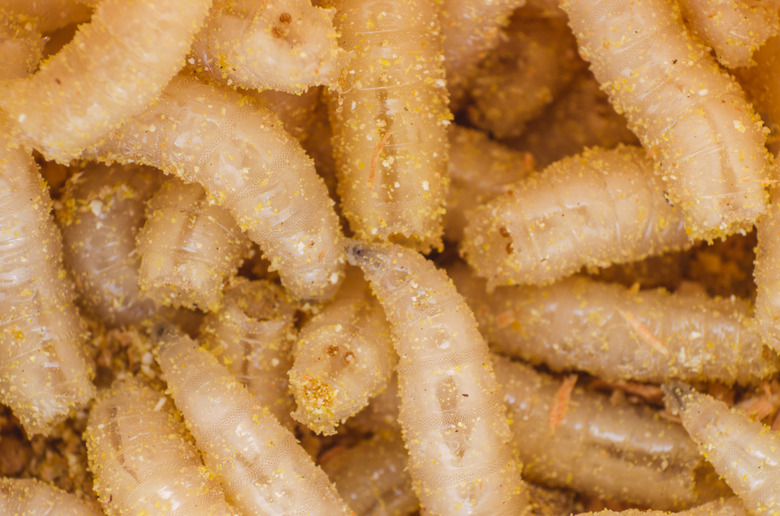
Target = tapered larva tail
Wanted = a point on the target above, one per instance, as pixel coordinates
(706, 140)
(35, 498)
(452, 415)
(723, 507)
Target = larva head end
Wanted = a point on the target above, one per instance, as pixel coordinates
(677, 395)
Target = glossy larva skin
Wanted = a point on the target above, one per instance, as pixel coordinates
(260, 465)
(390, 120)
(247, 163)
(745, 453)
(451, 412)
(142, 460)
(597, 208)
(723, 507)
(343, 358)
(106, 75)
(30, 497)
(706, 139)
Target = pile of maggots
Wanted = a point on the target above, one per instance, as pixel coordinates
(389, 257)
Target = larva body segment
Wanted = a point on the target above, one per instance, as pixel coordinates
(706, 140)
(723, 507)
(596, 208)
(343, 358)
(451, 412)
(246, 162)
(141, 459)
(114, 67)
(30, 497)
(767, 272)
(389, 121)
(745, 453)
(259, 463)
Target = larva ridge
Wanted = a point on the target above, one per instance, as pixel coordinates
(723, 507)
(30, 497)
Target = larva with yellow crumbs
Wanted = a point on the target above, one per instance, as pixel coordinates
(745, 453)
(705, 138)
(390, 120)
(49, 15)
(767, 272)
(246, 162)
(343, 358)
(141, 459)
(30, 497)
(762, 82)
(723, 507)
(451, 412)
(261, 467)
(20, 46)
(594, 209)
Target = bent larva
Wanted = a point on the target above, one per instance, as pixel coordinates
(705, 138)
(389, 121)
(723, 507)
(30, 497)
(451, 412)
(248, 163)
(596, 208)
(745, 453)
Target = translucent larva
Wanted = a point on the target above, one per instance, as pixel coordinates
(249, 164)
(260, 465)
(141, 459)
(30, 497)
(723, 507)
(593, 209)
(745, 453)
(343, 358)
(705, 138)
(451, 412)
(389, 121)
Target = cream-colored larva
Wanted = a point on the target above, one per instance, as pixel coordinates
(745, 453)
(252, 334)
(20, 46)
(245, 161)
(49, 15)
(142, 461)
(114, 67)
(451, 412)
(705, 138)
(261, 467)
(723, 507)
(389, 121)
(30, 497)
(597, 208)
(615, 332)
(767, 272)
(343, 358)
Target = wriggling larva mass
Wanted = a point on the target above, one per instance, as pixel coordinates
(249, 164)
(389, 121)
(30, 497)
(451, 412)
(706, 140)
(596, 208)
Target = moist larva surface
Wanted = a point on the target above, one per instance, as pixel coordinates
(30, 497)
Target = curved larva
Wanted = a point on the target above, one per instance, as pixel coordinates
(389, 121)
(249, 164)
(260, 465)
(745, 453)
(49, 15)
(452, 415)
(705, 138)
(596, 208)
(30, 497)
(111, 70)
(767, 272)
(141, 460)
(343, 358)
(723, 507)
(252, 335)
(614, 332)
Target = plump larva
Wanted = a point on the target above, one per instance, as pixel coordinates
(260, 465)
(252, 335)
(389, 121)
(452, 415)
(343, 358)
(248, 163)
(285, 45)
(596, 208)
(30, 497)
(705, 138)
(723, 507)
(112, 70)
(745, 453)
(142, 461)
(618, 333)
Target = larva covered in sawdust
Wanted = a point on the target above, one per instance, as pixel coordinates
(261, 467)
(451, 412)
(705, 138)
(596, 208)
(30, 497)
(723, 507)
(745, 453)
(767, 272)
(248, 163)
(105, 75)
(141, 459)
(389, 121)
(343, 358)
